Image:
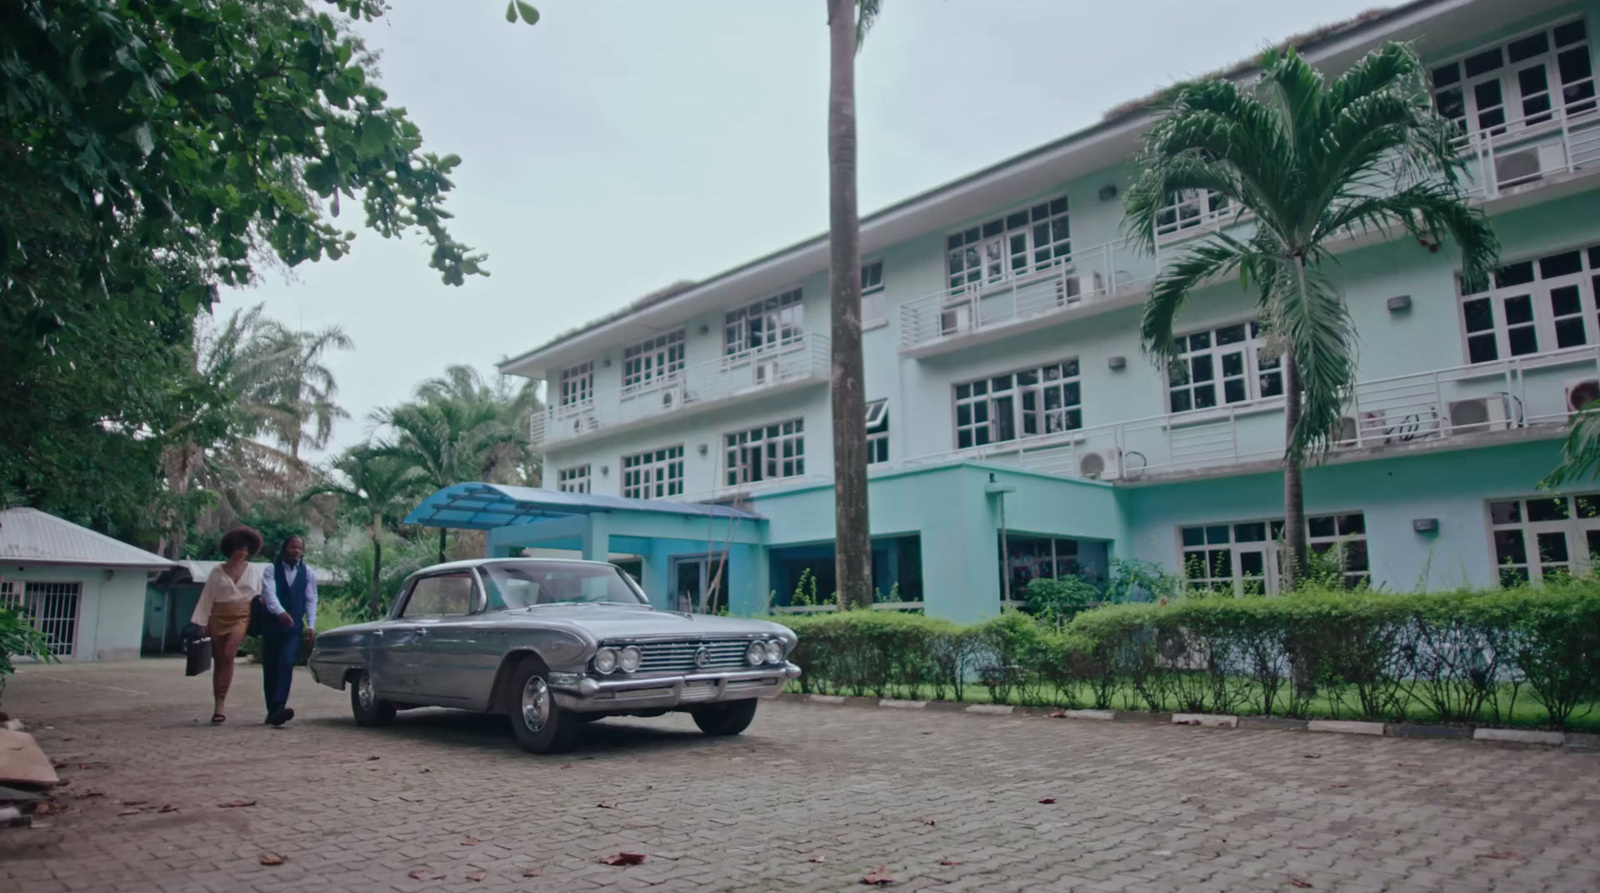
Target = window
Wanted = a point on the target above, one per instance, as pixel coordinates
(1029, 558)
(441, 595)
(1221, 366)
(649, 362)
(1244, 557)
(577, 385)
(766, 453)
(653, 474)
(874, 310)
(1533, 306)
(49, 608)
(525, 584)
(1020, 242)
(573, 480)
(1539, 538)
(776, 320)
(1029, 403)
(1518, 83)
(877, 432)
(1191, 208)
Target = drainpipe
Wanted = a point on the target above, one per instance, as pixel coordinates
(999, 490)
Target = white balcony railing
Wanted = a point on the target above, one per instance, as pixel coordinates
(1525, 151)
(1429, 408)
(1088, 276)
(700, 386)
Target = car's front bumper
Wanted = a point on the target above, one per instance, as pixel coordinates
(624, 694)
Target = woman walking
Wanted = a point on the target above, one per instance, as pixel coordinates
(224, 609)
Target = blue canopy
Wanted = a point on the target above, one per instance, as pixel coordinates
(479, 506)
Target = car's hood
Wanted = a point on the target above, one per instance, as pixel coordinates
(604, 621)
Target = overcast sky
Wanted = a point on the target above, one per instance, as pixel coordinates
(620, 145)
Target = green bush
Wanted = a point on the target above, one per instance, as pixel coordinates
(1471, 656)
(18, 638)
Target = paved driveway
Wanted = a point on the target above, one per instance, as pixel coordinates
(812, 798)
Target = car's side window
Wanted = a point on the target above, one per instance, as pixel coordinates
(441, 595)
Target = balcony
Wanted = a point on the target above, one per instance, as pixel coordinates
(1456, 408)
(1535, 151)
(980, 312)
(704, 386)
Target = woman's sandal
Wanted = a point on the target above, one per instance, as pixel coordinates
(218, 719)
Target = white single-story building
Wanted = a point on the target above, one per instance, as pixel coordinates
(84, 590)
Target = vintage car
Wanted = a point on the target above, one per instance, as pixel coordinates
(552, 644)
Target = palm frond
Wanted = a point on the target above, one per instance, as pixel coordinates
(867, 12)
(1580, 452)
(1196, 267)
(1307, 311)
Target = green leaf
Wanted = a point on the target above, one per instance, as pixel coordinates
(511, 11)
(529, 14)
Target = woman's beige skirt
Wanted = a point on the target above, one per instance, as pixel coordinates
(229, 619)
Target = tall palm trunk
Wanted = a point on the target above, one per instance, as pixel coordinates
(377, 565)
(853, 538)
(1294, 496)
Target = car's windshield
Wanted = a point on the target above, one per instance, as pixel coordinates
(523, 584)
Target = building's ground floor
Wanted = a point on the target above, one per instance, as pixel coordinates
(86, 612)
(960, 539)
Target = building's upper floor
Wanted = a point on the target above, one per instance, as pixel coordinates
(967, 285)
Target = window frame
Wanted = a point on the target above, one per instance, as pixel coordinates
(982, 394)
(1000, 231)
(874, 303)
(654, 362)
(666, 460)
(1576, 529)
(1210, 209)
(476, 599)
(1507, 76)
(771, 441)
(1251, 374)
(1544, 323)
(1270, 546)
(576, 386)
(783, 311)
(574, 479)
(878, 432)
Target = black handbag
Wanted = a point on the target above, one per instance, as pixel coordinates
(258, 619)
(197, 656)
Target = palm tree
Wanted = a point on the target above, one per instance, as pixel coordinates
(852, 526)
(377, 488)
(1313, 162)
(301, 389)
(509, 457)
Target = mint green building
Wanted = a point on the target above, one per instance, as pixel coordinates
(1010, 400)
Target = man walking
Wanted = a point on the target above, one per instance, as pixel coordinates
(289, 593)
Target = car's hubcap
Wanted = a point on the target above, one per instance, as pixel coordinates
(364, 691)
(535, 704)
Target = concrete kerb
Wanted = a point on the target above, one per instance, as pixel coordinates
(1576, 742)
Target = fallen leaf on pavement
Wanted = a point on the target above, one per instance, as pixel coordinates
(532, 872)
(566, 765)
(471, 841)
(91, 793)
(606, 805)
(1341, 785)
(930, 822)
(624, 859)
(1299, 883)
(135, 802)
(235, 804)
(130, 812)
(425, 874)
(273, 859)
(1308, 848)
(817, 859)
(1508, 854)
(950, 862)
(477, 875)
(1318, 756)
(878, 877)
(1058, 714)
(168, 808)
(1047, 800)
(372, 759)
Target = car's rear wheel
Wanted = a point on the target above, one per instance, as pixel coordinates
(538, 722)
(369, 709)
(725, 719)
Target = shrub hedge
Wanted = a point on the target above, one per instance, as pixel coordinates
(1500, 656)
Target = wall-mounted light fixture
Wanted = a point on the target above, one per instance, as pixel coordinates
(705, 330)
(703, 449)
(605, 363)
(1425, 525)
(1399, 303)
(605, 470)
(1108, 192)
(1117, 363)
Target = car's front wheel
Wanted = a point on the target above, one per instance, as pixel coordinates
(538, 722)
(725, 719)
(369, 709)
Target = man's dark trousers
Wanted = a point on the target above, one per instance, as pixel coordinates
(280, 645)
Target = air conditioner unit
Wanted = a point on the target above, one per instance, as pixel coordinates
(671, 397)
(1075, 288)
(1479, 414)
(1346, 432)
(1582, 393)
(1366, 429)
(1105, 465)
(1526, 165)
(955, 319)
(766, 372)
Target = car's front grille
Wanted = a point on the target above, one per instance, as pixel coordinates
(680, 657)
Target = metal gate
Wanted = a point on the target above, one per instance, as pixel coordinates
(50, 608)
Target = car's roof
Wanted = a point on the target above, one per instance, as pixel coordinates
(481, 562)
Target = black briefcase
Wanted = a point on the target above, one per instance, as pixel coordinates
(197, 656)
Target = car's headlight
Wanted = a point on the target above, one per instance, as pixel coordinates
(774, 651)
(757, 653)
(629, 658)
(605, 660)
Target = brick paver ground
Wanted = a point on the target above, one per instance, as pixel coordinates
(811, 798)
